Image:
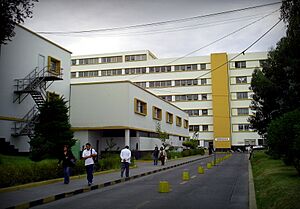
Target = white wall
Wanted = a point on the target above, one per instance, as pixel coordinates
(18, 58)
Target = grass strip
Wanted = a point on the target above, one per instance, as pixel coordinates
(277, 186)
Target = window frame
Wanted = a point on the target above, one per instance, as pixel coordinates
(169, 118)
(156, 115)
(136, 107)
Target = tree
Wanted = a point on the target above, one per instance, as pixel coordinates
(162, 135)
(284, 138)
(13, 12)
(276, 99)
(52, 131)
(277, 87)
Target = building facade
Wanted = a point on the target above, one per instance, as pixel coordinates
(111, 115)
(31, 67)
(213, 90)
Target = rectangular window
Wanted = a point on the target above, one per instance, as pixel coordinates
(114, 59)
(204, 96)
(157, 84)
(178, 121)
(204, 127)
(135, 70)
(193, 128)
(156, 113)
(140, 107)
(88, 61)
(242, 95)
(73, 62)
(136, 57)
(240, 64)
(167, 98)
(241, 79)
(204, 112)
(243, 111)
(189, 97)
(169, 117)
(203, 66)
(141, 84)
(192, 112)
(203, 81)
(185, 67)
(244, 127)
(186, 124)
(111, 72)
(189, 82)
(159, 69)
(54, 65)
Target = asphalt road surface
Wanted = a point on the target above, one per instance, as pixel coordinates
(225, 186)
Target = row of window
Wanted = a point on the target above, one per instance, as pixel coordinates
(187, 97)
(204, 112)
(140, 107)
(141, 70)
(168, 83)
(201, 97)
(112, 59)
(204, 128)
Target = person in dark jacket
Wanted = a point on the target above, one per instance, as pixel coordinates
(155, 155)
(68, 160)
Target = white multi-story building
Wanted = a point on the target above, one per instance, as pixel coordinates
(213, 90)
(29, 64)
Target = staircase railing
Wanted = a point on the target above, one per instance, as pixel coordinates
(35, 84)
(26, 125)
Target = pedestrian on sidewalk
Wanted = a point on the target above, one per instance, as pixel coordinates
(125, 156)
(250, 152)
(68, 160)
(162, 156)
(88, 155)
(155, 155)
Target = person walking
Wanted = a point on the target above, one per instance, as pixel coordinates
(125, 156)
(88, 154)
(155, 155)
(68, 160)
(162, 156)
(250, 152)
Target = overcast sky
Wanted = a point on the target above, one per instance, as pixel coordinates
(173, 40)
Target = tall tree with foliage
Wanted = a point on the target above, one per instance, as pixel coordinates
(13, 12)
(52, 131)
(276, 89)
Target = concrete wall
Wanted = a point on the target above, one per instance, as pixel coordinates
(17, 59)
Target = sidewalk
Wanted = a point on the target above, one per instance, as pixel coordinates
(29, 197)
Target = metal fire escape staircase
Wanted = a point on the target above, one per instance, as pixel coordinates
(35, 84)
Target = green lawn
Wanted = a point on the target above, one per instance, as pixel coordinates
(18, 160)
(277, 186)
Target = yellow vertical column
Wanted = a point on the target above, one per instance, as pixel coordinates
(220, 97)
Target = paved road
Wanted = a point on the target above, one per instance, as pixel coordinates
(28, 196)
(225, 186)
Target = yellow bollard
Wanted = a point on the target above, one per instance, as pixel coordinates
(164, 187)
(185, 176)
(200, 170)
(208, 165)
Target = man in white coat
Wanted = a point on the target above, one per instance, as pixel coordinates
(125, 156)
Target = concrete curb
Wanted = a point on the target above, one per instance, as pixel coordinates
(252, 198)
(94, 187)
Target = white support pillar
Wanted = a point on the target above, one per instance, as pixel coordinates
(127, 137)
